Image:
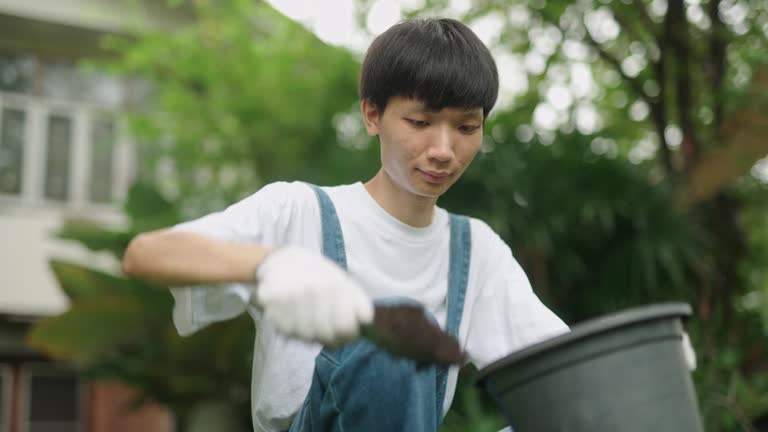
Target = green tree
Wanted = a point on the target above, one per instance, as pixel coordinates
(678, 90)
(239, 97)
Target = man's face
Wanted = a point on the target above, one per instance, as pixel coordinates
(424, 151)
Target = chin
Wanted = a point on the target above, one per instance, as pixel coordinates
(430, 190)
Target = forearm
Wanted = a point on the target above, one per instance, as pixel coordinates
(183, 258)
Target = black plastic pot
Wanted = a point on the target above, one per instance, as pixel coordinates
(625, 372)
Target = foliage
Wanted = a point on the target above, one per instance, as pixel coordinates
(754, 270)
(471, 410)
(594, 232)
(237, 98)
(120, 328)
(678, 89)
(593, 192)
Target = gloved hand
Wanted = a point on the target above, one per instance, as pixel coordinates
(308, 296)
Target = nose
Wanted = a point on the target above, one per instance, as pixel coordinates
(441, 145)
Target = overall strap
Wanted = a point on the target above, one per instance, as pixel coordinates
(458, 272)
(333, 239)
(461, 245)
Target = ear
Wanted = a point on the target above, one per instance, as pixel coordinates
(371, 116)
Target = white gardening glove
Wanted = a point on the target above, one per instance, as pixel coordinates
(308, 296)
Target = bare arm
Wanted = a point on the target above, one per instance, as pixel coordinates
(184, 258)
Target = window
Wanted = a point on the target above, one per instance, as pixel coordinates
(53, 401)
(102, 151)
(59, 145)
(69, 82)
(11, 150)
(17, 73)
(60, 142)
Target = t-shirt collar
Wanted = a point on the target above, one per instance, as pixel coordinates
(393, 224)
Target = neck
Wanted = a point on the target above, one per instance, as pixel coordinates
(405, 206)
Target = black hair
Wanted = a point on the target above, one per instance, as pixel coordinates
(438, 61)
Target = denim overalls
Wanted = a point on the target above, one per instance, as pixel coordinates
(358, 387)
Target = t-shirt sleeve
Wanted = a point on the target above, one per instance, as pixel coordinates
(260, 218)
(507, 315)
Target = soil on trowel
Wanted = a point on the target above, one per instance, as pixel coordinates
(406, 330)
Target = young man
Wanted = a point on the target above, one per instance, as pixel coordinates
(308, 263)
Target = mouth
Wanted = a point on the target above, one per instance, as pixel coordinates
(434, 177)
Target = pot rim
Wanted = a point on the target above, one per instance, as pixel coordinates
(587, 329)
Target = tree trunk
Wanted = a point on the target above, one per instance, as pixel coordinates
(743, 134)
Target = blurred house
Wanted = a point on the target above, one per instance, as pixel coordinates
(63, 153)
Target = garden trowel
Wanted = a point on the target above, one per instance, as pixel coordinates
(405, 330)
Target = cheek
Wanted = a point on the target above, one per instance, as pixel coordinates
(399, 148)
(391, 156)
(468, 151)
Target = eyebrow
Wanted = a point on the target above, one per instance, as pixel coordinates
(472, 114)
(468, 112)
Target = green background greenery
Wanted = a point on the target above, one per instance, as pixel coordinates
(243, 96)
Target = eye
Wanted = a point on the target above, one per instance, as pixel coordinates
(468, 129)
(417, 123)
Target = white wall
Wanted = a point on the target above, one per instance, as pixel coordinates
(27, 285)
(100, 15)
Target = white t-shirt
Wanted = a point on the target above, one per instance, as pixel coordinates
(388, 258)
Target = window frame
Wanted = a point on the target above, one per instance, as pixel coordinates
(29, 370)
(37, 112)
(12, 107)
(20, 103)
(75, 147)
(94, 116)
